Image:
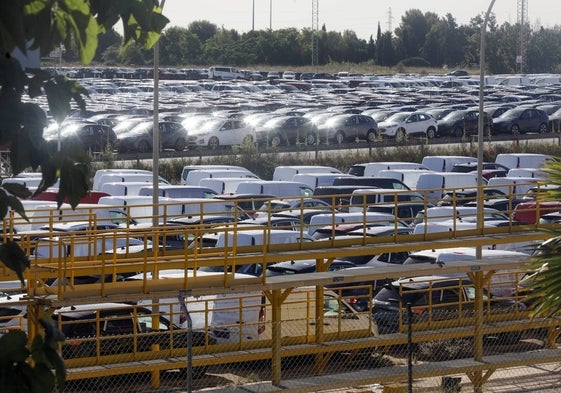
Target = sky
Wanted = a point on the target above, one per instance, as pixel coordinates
(361, 16)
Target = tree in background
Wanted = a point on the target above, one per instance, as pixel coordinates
(43, 25)
(422, 38)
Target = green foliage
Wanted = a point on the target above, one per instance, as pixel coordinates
(17, 375)
(44, 25)
(414, 62)
(546, 286)
(440, 41)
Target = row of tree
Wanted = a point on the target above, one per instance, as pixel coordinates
(421, 39)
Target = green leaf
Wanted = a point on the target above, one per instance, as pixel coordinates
(14, 258)
(18, 190)
(58, 97)
(49, 177)
(3, 203)
(14, 347)
(12, 26)
(16, 205)
(12, 76)
(43, 377)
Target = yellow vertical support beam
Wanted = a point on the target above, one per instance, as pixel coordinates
(275, 300)
(478, 281)
(155, 374)
(320, 361)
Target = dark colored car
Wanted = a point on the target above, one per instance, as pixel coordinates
(463, 123)
(466, 167)
(520, 121)
(462, 196)
(116, 328)
(90, 136)
(304, 266)
(349, 128)
(434, 298)
(287, 131)
(140, 137)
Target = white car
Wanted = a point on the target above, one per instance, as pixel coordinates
(222, 132)
(288, 75)
(403, 124)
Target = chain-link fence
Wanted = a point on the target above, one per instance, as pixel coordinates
(430, 333)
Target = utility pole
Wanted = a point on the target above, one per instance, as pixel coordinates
(390, 19)
(315, 34)
(522, 55)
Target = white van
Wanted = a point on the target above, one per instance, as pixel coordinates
(444, 163)
(243, 317)
(82, 245)
(175, 191)
(314, 180)
(364, 197)
(502, 282)
(140, 209)
(224, 185)
(128, 177)
(231, 318)
(522, 160)
(408, 176)
(26, 181)
(44, 214)
(513, 187)
(188, 168)
(194, 177)
(373, 169)
(224, 73)
(433, 185)
(100, 172)
(287, 172)
(123, 187)
(536, 173)
(276, 188)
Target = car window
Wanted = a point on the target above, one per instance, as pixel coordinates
(332, 307)
(145, 323)
(118, 324)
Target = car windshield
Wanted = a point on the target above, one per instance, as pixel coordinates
(391, 295)
(397, 117)
(211, 125)
(511, 113)
(454, 115)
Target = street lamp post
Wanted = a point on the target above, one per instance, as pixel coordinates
(480, 127)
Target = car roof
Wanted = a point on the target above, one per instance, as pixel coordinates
(424, 282)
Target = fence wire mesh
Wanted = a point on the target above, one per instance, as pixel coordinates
(374, 341)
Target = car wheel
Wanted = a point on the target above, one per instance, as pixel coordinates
(371, 136)
(339, 137)
(543, 128)
(276, 140)
(310, 138)
(458, 132)
(180, 144)
(213, 143)
(143, 146)
(431, 133)
(515, 130)
(400, 135)
(247, 140)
